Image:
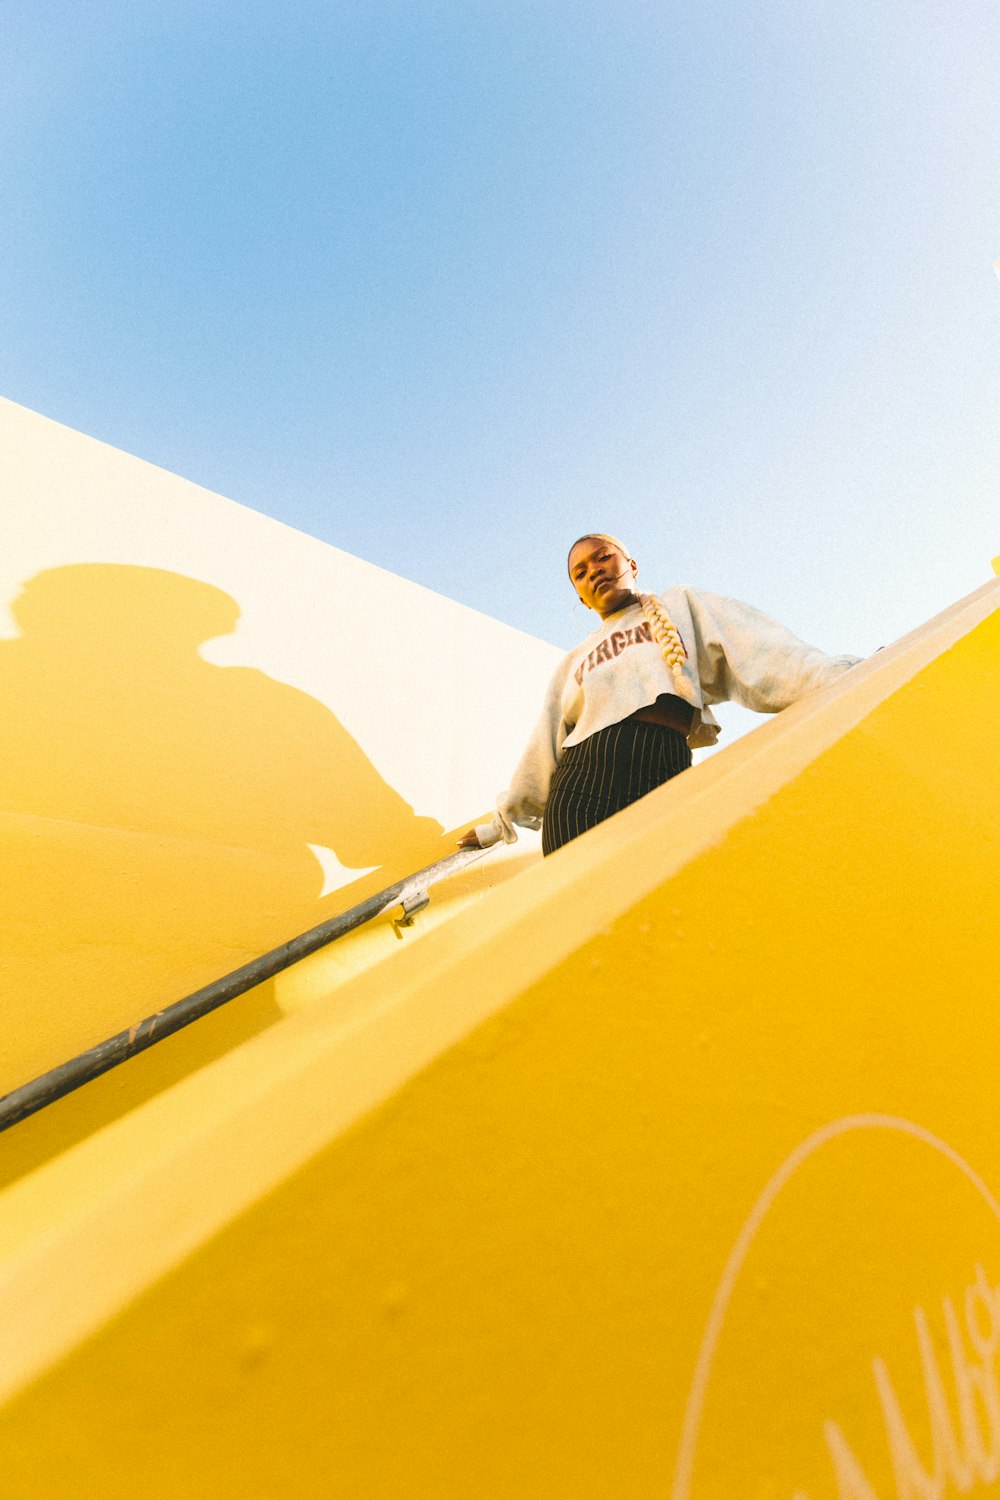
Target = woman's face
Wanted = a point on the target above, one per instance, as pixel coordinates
(602, 575)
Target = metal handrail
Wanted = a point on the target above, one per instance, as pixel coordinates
(411, 894)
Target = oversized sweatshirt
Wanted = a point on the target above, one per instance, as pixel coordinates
(734, 654)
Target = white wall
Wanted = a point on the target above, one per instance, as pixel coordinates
(212, 724)
(441, 698)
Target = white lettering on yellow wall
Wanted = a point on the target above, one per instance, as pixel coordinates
(962, 1456)
(958, 1447)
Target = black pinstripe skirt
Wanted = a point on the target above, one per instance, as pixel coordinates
(613, 768)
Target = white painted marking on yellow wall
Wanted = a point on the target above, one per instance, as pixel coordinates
(681, 1489)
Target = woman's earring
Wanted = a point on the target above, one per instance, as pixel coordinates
(578, 604)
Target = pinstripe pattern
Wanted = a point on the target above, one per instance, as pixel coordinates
(606, 772)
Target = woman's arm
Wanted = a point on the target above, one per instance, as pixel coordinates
(524, 800)
(746, 657)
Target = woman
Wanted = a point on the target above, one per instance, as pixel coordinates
(624, 710)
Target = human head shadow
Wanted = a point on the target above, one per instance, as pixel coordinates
(126, 725)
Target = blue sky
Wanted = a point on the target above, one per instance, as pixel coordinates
(448, 284)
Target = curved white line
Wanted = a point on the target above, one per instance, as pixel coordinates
(706, 1354)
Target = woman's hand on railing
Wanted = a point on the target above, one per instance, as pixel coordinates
(470, 840)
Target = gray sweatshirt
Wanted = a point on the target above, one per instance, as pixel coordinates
(734, 654)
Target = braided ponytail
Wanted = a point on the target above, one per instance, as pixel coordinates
(667, 637)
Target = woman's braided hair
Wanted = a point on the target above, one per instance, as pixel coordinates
(665, 632)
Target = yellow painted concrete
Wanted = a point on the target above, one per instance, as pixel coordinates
(201, 752)
(51, 1131)
(317, 977)
(669, 1170)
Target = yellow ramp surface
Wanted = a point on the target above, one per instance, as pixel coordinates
(671, 1169)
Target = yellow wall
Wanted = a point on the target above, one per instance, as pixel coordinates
(669, 1170)
(218, 733)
